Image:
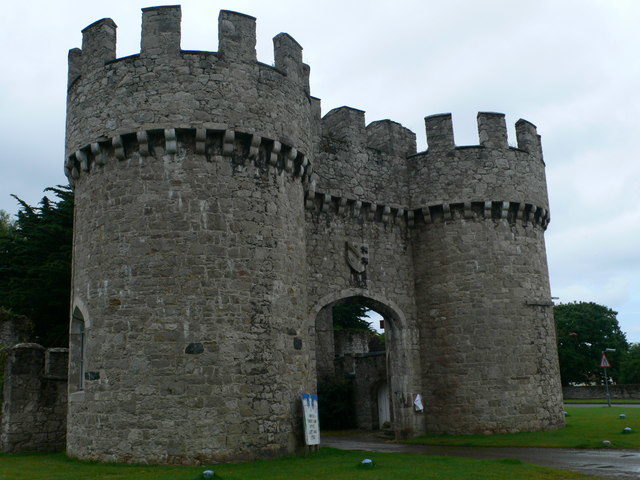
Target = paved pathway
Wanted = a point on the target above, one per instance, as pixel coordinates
(619, 464)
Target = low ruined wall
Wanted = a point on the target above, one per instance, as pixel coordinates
(369, 371)
(13, 328)
(598, 391)
(351, 341)
(34, 408)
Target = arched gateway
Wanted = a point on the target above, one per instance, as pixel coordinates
(217, 213)
(396, 370)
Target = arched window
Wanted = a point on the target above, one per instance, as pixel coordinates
(77, 345)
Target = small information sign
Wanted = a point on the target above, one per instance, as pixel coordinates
(311, 423)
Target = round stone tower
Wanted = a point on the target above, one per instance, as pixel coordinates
(189, 300)
(482, 287)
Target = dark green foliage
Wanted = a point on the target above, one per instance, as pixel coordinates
(6, 224)
(335, 403)
(350, 316)
(35, 266)
(585, 330)
(630, 367)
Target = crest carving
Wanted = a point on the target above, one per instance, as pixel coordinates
(357, 256)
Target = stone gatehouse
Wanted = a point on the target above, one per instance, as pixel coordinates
(219, 216)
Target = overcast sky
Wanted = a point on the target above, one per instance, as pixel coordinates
(570, 67)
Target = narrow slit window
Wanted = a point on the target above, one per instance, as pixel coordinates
(78, 345)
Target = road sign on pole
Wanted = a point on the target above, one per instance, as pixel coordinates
(604, 363)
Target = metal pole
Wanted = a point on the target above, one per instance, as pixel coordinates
(606, 384)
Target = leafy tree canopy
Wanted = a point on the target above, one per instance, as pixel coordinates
(6, 223)
(630, 367)
(350, 316)
(35, 265)
(585, 330)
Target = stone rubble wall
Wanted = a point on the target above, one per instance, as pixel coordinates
(369, 371)
(366, 164)
(14, 329)
(196, 308)
(489, 349)
(351, 341)
(325, 345)
(34, 408)
(631, 391)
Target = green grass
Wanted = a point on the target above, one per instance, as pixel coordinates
(601, 400)
(586, 427)
(326, 464)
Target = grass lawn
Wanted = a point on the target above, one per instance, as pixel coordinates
(586, 427)
(601, 400)
(326, 464)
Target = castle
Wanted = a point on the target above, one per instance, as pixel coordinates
(219, 217)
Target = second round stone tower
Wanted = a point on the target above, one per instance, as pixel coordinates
(482, 286)
(189, 299)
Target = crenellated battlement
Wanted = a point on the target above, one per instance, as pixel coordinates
(492, 133)
(161, 37)
(492, 169)
(347, 125)
(391, 137)
(166, 86)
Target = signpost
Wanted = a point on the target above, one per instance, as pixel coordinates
(604, 364)
(310, 415)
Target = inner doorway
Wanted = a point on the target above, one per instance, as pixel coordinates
(384, 407)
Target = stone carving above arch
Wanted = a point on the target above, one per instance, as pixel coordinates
(357, 255)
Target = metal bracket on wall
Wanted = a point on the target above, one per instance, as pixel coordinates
(539, 303)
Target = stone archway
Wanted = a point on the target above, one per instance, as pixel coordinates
(367, 369)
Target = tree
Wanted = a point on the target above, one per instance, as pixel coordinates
(35, 265)
(350, 316)
(6, 223)
(585, 330)
(630, 366)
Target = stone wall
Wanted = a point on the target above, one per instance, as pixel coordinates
(598, 391)
(34, 408)
(483, 289)
(367, 371)
(366, 164)
(189, 248)
(13, 328)
(324, 343)
(351, 341)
